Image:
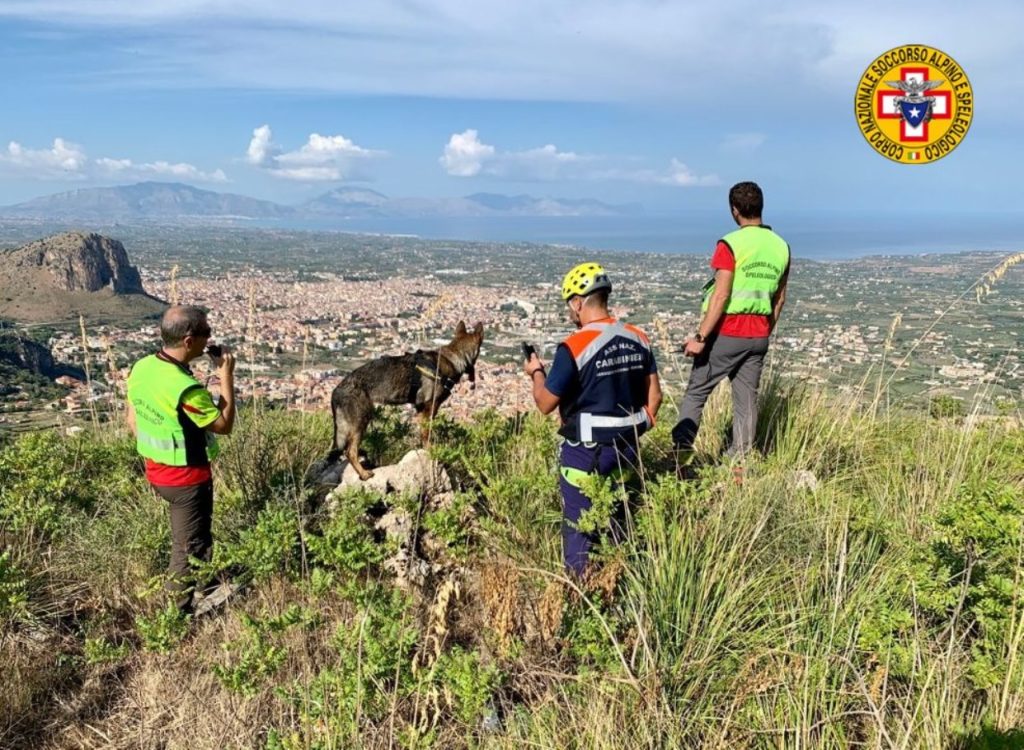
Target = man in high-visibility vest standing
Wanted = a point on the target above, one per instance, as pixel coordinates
(604, 383)
(741, 306)
(174, 419)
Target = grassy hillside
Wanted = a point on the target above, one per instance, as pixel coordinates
(862, 588)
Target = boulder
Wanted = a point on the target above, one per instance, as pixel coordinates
(415, 474)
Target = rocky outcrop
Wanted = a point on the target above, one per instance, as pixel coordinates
(80, 262)
(419, 554)
(70, 276)
(26, 354)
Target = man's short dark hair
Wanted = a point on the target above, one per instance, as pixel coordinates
(747, 199)
(182, 321)
(598, 298)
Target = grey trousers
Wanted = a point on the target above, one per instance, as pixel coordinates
(740, 359)
(191, 509)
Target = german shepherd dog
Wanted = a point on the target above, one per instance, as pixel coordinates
(422, 378)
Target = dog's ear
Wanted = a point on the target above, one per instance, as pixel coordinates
(478, 329)
(460, 329)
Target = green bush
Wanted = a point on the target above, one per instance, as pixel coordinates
(164, 630)
(269, 452)
(257, 656)
(13, 589)
(972, 570)
(373, 666)
(101, 651)
(947, 407)
(270, 546)
(471, 682)
(48, 482)
(345, 540)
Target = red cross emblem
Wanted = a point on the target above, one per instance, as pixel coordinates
(886, 107)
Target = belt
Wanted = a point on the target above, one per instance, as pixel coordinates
(589, 421)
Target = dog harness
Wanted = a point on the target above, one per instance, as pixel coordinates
(429, 370)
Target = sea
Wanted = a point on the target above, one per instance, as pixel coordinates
(810, 235)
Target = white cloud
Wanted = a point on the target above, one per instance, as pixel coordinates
(261, 151)
(321, 158)
(126, 169)
(63, 160)
(681, 175)
(66, 160)
(465, 155)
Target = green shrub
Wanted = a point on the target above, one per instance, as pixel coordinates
(255, 657)
(101, 651)
(451, 525)
(13, 589)
(973, 569)
(164, 630)
(345, 541)
(947, 407)
(269, 453)
(48, 482)
(373, 666)
(471, 682)
(270, 546)
(389, 436)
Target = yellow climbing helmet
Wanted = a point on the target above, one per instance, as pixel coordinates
(584, 279)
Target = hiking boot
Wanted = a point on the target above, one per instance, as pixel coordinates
(216, 598)
(686, 466)
(687, 473)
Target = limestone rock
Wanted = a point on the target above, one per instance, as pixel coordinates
(80, 262)
(25, 354)
(395, 524)
(73, 274)
(326, 472)
(415, 474)
(409, 569)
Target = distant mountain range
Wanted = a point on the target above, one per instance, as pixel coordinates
(170, 201)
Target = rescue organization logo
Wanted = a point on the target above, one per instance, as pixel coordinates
(914, 104)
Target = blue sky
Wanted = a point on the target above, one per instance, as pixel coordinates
(662, 103)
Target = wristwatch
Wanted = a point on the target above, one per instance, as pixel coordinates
(698, 337)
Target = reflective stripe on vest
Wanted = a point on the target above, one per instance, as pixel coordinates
(589, 421)
(153, 442)
(608, 331)
(761, 260)
(155, 388)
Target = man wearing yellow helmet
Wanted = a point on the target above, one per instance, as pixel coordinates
(604, 382)
(742, 304)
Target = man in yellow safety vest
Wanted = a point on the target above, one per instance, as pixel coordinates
(742, 304)
(174, 419)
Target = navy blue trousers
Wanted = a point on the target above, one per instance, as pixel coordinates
(603, 460)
